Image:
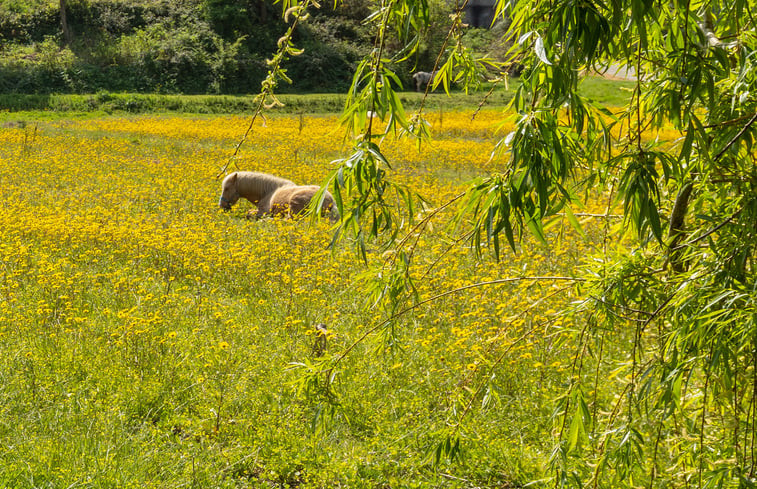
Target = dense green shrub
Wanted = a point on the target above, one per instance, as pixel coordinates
(333, 45)
(191, 46)
(157, 47)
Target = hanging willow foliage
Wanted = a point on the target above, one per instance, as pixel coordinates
(684, 289)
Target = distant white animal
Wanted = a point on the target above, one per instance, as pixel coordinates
(422, 79)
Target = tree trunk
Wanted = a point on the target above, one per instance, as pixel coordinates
(64, 24)
(262, 13)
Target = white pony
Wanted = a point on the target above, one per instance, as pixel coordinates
(422, 79)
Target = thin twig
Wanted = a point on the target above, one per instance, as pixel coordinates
(444, 253)
(704, 413)
(735, 138)
(657, 312)
(268, 90)
(594, 403)
(420, 225)
(727, 123)
(708, 233)
(486, 97)
(588, 214)
(493, 341)
(440, 296)
(258, 111)
(499, 360)
(460, 10)
(637, 311)
(379, 48)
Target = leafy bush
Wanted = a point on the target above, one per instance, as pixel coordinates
(175, 59)
(21, 23)
(333, 46)
(191, 46)
(31, 68)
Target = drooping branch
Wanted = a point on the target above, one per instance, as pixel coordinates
(268, 85)
(436, 297)
(708, 233)
(735, 138)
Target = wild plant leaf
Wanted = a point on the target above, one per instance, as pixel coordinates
(540, 51)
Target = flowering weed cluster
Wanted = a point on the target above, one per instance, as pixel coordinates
(147, 338)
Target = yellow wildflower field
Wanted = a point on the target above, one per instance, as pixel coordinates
(151, 339)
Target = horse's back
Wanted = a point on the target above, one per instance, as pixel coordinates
(255, 185)
(266, 179)
(301, 197)
(294, 200)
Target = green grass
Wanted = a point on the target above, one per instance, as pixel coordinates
(607, 92)
(148, 339)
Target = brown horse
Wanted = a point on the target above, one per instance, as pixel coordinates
(272, 195)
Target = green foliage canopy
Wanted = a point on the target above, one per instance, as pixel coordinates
(170, 46)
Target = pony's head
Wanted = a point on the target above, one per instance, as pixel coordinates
(229, 192)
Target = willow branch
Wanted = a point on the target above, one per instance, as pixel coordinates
(418, 228)
(711, 231)
(438, 59)
(493, 341)
(267, 89)
(436, 297)
(735, 138)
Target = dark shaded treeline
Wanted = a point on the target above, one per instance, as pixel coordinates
(171, 46)
(175, 46)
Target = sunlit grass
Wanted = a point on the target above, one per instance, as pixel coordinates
(147, 338)
(13, 107)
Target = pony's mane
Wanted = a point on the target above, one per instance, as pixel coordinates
(260, 183)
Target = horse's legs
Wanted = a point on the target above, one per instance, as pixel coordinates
(264, 207)
(280, 209)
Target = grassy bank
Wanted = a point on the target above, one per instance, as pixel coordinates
(609, 92)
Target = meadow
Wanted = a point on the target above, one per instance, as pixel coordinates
(149, 339)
